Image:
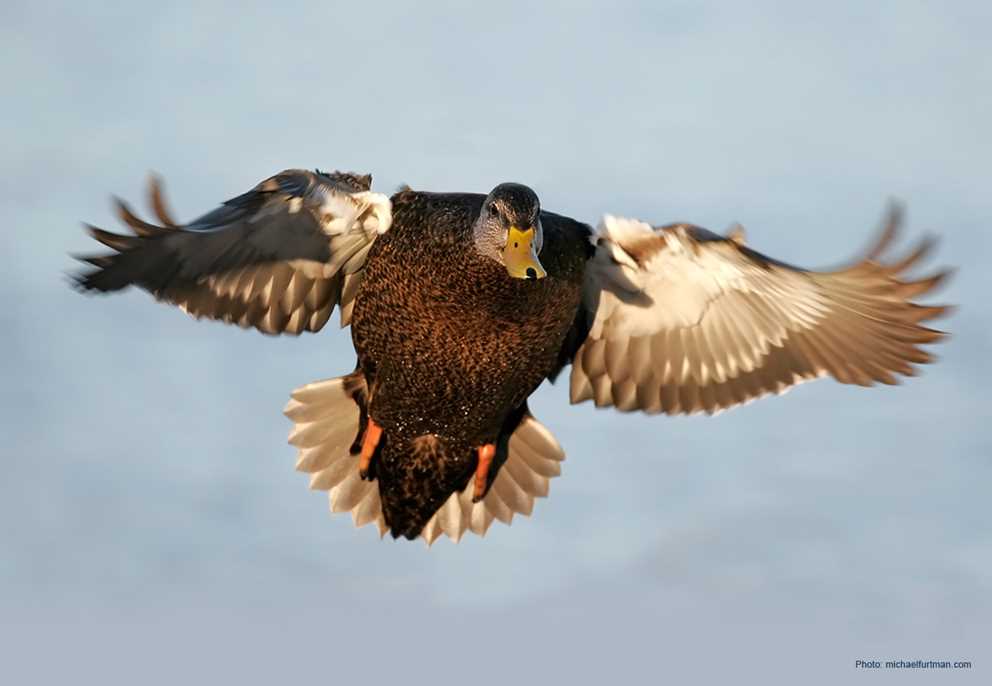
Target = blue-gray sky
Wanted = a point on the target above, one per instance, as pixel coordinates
(153, 526)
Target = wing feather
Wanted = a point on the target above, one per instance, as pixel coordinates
(683, 320)
(277, 258)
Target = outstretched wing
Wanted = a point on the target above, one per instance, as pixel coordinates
(277, 258)
(683, 320)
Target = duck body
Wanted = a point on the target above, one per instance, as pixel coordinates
(451, 347)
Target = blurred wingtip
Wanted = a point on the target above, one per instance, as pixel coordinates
(156, 198)
(891, 225)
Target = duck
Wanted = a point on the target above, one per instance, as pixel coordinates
(460, 305)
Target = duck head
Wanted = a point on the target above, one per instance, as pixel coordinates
(509, 231)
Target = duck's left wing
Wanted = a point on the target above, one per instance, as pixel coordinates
(277, 258)
(682, 320)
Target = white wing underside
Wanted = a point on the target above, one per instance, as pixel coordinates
(684, 282)
(326, 421)
(685, 321)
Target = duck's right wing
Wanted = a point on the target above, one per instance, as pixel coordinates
(277, 258)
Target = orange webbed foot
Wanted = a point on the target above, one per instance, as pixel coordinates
(370, 441)
(486, 454)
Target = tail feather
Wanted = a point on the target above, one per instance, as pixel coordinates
(327, 418)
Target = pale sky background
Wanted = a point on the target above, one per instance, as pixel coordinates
(153, 529)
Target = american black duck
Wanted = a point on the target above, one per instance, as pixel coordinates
(461, 304)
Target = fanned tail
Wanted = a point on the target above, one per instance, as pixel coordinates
(329, 418)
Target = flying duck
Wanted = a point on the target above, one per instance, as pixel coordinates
(462, 304)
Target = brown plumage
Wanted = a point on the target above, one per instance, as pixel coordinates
(462, 304)
(450, 346)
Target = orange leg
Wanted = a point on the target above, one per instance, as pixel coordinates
(373, 432)
(486, 454)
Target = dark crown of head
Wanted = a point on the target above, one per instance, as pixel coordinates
(519, 200)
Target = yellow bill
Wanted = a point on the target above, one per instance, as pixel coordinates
(520, 255)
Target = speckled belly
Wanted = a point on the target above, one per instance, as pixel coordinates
(458, 373)
(451, 344)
